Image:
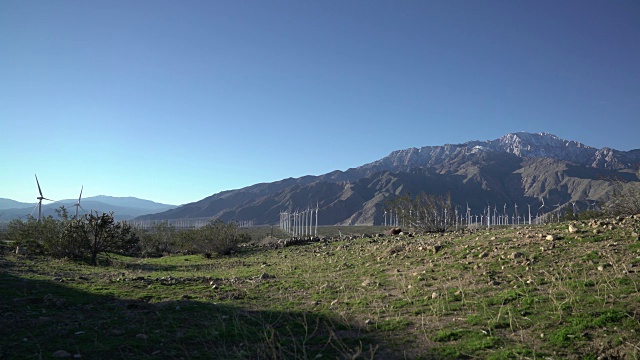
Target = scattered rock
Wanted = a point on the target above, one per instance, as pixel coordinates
(551, 237)
(366, 283)
(516, 255)
(572, 229)
(61, 354)
(435, 295)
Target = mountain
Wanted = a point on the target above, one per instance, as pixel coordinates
(124, 208)
(522, 168)
(12, 204)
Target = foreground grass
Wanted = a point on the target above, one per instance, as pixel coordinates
(499, 294)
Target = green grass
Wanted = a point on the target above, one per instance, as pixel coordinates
(358, 298)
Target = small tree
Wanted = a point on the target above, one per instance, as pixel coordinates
(96, 234)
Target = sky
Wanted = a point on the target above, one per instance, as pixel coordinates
(173, 101)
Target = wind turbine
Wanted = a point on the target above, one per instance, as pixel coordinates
(506, 221)
(542, 208)
(77, 205)
(40, 198)
(573, 203)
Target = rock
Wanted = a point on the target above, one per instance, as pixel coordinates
(484, 254)
(435, 295)
(516, 255)
(366, 283)
(395, 231)
(61, 354)
(22, 251)
(266, 276)
(572, 229)
(551, 237)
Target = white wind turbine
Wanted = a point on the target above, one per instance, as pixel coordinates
(542, 207)
(77, 205)
(40, 198)
(468, 215)
(557, 211)
(506, 217)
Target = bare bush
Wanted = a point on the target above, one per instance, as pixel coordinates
(424, 213)
(625, 199)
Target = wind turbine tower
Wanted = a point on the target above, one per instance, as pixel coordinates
(77, 205)
(40, 198)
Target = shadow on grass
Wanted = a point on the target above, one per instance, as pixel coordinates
(40, 317)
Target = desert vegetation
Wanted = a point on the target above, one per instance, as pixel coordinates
(562, 290)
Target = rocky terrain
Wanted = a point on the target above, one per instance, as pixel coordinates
(559, 291)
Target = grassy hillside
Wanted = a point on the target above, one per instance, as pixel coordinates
(531, 292)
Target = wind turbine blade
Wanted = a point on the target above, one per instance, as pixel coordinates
(38, 182)
(80, 194)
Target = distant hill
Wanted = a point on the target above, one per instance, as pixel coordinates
(522, 168)
(12, 204)
(124, 208)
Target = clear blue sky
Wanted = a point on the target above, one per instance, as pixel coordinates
(173, 101)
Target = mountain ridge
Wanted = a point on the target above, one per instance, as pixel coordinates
(517, 167)
(124, 208)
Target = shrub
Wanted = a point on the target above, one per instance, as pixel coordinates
(94, 234)
(219, 237)
(160, 240)
(36, 236)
